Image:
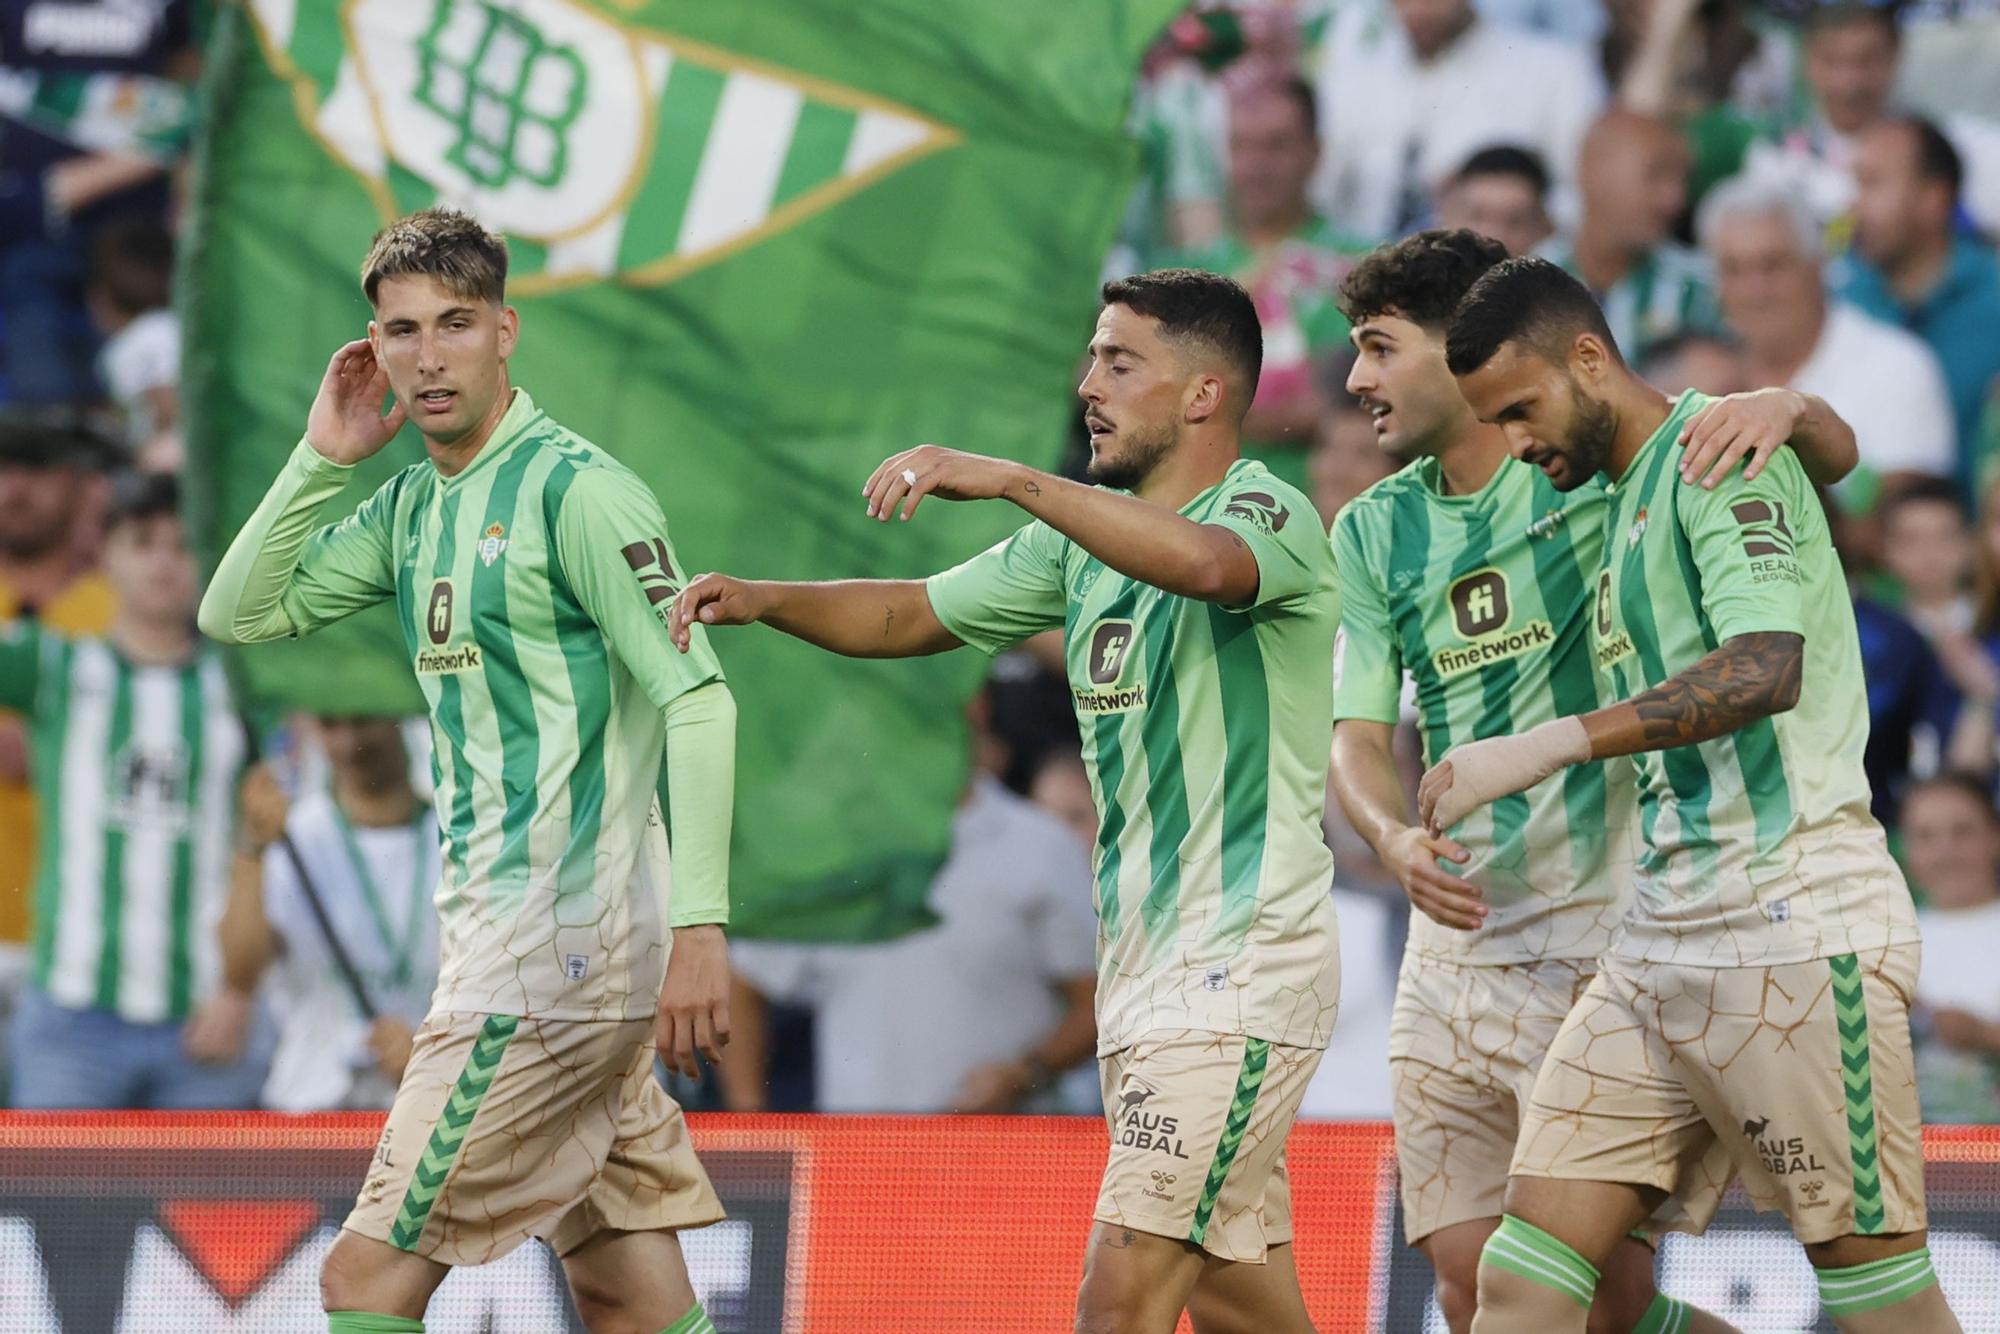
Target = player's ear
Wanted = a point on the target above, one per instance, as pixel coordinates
(375, 340)
(1204, 398)
(1589, 357)
(510, 331)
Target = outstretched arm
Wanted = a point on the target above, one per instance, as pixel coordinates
(861, 618)
(1132, 536)
(1749, 677)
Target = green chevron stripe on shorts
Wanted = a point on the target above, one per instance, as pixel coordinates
(1850, 1014)
(1256, 1055)
(449, 1134)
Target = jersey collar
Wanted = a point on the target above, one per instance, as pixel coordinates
(1667, 434)
(513, 425)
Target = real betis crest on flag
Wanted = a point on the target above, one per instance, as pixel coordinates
(756, 248)
(601, 148)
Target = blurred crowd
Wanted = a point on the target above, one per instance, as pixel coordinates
(1789, 192)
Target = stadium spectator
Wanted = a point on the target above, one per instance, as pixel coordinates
(130, 298)
(1061, 787)
(1850, 58)
(1916, 270)
(1951, 842)
(978, 1013)
(1927, 548)
(50, 492)
(1710, 362)
(1501, 192)
(93, 115)
(146, 752)
(1765, 249)
(369, 846)
(1289, 258)
(1345, 460)
(1406, 99)
(1911, 703)
(1632, 179)
(1177, 120)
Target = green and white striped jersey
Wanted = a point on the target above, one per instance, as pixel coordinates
(135, 773)
(1483, 601)
(533, 588)
(1668, 293)
(1760, 848)
(1206, 731)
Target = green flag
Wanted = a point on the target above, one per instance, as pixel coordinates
(756, 249)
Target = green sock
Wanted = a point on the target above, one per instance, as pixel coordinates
(1524, 1249)
(1666, 1315)
(365, 1322)
(1878, 1283)
(694, 1322)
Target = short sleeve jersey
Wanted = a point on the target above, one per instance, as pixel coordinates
(1481, 600)
(1206, 731)
(1759, 844)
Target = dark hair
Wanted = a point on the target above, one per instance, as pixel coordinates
(1194, 306)
(1421, 278)
(1924, 490)
(1937, 158)
(439, 243)
(132, 263)
(1507, 160)
(1966, 785)
(142, 495)
(1829, 14)
(1525, 299)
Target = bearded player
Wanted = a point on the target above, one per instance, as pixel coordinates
(1198, 603)
(1465, 573)
(1752, 1018)
(530, 571)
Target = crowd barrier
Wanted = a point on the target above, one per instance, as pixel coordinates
(115, 1224)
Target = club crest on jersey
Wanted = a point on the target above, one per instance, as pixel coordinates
(492, 544)
(1107, 662)
(1638, 528)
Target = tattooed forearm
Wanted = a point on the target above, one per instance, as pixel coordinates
(1750, 677)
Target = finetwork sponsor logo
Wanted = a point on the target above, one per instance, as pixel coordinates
(1495, 648)
(1611, 650)
(1109, 701)
(446, 662)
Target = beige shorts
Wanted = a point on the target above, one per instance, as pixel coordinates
(1798, 1078)
(1465, 1044)
(1198, 1125)
(507, 1128)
